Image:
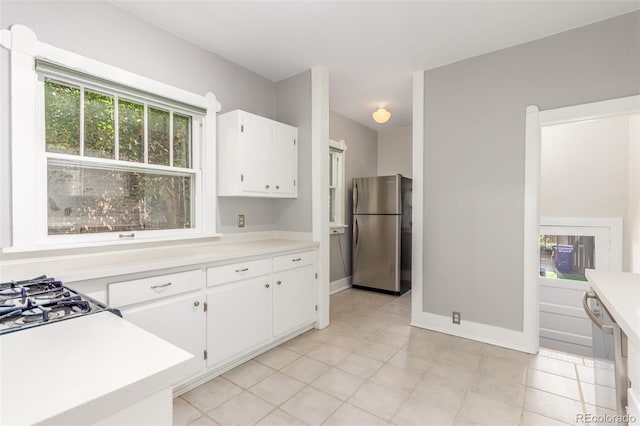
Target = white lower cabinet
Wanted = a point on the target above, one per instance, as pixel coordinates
(293, 299)
(244, 307)
(171, 306)
(179, 320)
(238, 318)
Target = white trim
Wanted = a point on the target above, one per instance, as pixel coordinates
(339, 285)
(531, 242)
(320, 184)
(339, 145)
(25, 204)
(417, 218)
(28, 202)
(115, 74)
(493, 335)
(208, 157)
(594, 110)
(534, 120)
(339, 148)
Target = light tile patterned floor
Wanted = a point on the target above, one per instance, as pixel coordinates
(371, 368)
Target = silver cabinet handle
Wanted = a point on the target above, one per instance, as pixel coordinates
(277, 186)
(131, 235)
(242, 270)
(196, 303)
(267, 285)
(297, 259)
(266, 186)
(279, 282)
(161, 285)
(606, 329)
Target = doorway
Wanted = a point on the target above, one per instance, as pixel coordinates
(535, 121)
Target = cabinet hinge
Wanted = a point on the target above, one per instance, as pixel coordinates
(316, 307)
(205, 306)
(205, 354)
(241, 178)
(241, 128)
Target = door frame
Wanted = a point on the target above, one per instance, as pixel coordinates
(535, 119)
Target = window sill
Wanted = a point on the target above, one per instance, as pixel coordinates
(106, 245)
(337, 229)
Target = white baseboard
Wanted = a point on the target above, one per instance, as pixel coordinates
(339, 285)
(486, 333)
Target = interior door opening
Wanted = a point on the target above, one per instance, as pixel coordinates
(589, 186)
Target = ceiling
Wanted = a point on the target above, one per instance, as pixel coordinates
(370, 48)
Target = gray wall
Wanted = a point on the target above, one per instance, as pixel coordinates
(104, 32)
(474, 157)
(361, 161)
(293, 106)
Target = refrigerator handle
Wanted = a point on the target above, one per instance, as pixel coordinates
(355, 197)
(606, 329)
(357, 231)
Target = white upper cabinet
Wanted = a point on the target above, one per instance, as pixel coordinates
(257, 157)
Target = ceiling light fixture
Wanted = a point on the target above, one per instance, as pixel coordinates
(381, 116)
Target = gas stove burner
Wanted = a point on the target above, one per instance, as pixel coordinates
(31, 316)
(53, 295)
(42, 300)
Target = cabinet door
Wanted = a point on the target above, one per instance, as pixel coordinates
(238, 318)
(294, 299)
(255, 154)
(285, 160)
(178, 320)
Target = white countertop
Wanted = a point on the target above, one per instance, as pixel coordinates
(620, 293)
(87, 266)
(79, 370)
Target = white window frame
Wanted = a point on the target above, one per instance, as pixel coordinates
(340, 148)
(29, 159)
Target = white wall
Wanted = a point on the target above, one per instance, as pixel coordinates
(586, 172)
(585, 169)
(394, 151)
(634, 194)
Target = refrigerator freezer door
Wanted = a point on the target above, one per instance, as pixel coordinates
(377, 195)
(376, 251)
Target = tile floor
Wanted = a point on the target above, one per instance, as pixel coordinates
(371, 368)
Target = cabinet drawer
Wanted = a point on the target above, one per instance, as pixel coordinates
(237, 271)
(289, 261)
(147, 289)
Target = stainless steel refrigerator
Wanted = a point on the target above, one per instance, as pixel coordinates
(381, 256)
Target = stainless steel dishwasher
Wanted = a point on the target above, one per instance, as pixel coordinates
(610, 361)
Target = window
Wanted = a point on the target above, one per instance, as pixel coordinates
(115, 163)
(566, 256)
(101, 155)
(337, 186)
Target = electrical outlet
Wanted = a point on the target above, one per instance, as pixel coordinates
(240, 221)
(455, 317)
